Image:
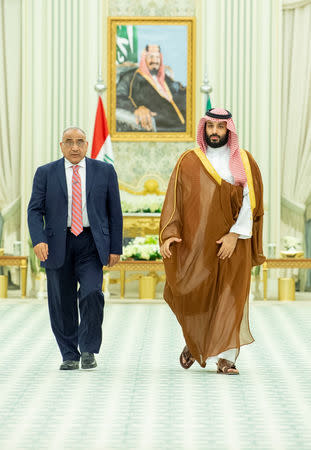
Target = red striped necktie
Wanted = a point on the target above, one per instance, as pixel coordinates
(76, 210)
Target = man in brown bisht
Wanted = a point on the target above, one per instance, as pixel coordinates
(210, 237)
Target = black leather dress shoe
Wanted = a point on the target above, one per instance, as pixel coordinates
(69, 365)
(88, 360)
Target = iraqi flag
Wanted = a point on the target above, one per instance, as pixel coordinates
(101, 146)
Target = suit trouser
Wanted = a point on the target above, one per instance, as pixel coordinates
(82, 264)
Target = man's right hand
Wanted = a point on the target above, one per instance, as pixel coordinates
(42, 251)
(165, 248)
(144, 117)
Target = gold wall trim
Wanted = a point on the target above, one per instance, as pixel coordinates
(150, 186)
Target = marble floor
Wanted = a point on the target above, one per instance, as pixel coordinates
(140, 398)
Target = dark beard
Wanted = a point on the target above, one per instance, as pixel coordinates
(223, 141)
(154, 71)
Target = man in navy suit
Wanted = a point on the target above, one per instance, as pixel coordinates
(75, 223)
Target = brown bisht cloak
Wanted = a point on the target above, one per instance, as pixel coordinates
(209, 296)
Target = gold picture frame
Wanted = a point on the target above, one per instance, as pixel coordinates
(122, 118)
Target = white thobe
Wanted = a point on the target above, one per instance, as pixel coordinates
(219, 158)
(160, 87)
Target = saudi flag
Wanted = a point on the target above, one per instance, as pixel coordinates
(208, 103)
(101, 146)
(127, 45)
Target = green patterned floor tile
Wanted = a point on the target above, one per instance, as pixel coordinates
(140, 398)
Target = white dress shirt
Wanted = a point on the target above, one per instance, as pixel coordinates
(219, 158)
(82, 173)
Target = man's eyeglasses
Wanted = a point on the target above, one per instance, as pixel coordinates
(72, 142)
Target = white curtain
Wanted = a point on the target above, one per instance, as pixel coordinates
(296, 116)
(10, 119)
(60, 64)
(244, 70)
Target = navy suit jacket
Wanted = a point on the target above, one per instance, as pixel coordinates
(48, 210)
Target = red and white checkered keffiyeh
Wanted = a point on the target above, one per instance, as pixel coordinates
(235, 163)
(160, 75)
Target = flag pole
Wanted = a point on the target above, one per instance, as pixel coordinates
(100, 86)
(206, 87)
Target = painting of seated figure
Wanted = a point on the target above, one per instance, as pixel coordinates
(151, 79)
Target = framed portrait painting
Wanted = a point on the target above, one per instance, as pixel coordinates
(151, 73)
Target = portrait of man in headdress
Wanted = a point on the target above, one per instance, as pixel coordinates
(151, 81)
(149, 92)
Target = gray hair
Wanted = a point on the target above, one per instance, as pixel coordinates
(74, 128)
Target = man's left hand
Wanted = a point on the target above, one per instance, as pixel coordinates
(113, 259)
(228, 243)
